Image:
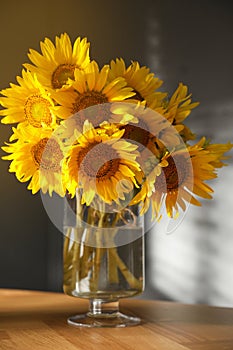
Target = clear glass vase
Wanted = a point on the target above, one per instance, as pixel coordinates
(103, 261)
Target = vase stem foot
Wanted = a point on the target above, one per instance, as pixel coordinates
(103, 314)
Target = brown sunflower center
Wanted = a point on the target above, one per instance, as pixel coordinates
(98, 161)
(88, 99)
(47, 154)
(173, 175)
(137, 96)
(37, 111)
(95, 115)
(138, 134)
(61, 74)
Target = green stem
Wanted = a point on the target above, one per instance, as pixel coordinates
(133, 281)
(99, 250)
(66, 243)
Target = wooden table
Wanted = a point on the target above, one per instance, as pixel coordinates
(37, 320)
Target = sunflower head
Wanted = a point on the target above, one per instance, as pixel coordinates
(176, 173)
(185, 176)
(101, 163)
(28, 102)
(143, 82)
(91, 88)
(56, 63)
(36, 156)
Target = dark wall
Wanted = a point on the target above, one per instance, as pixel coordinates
(30, 247)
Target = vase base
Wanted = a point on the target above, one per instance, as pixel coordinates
(99, 321)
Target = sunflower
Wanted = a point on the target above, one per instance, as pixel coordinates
(101, 164)
(27, 102)
(36, 157)
(152, 168)
(178, 108)
(58, 62)
(91, 88)
(185, 176)
(218, 149)
(140, 79)
(141, 133)
(145, 127)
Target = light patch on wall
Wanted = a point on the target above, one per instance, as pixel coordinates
(195, 263)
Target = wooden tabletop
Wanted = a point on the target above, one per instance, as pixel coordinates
(31, 320)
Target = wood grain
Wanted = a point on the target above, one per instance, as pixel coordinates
(31, 320)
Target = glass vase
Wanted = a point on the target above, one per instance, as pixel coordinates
(103, 261)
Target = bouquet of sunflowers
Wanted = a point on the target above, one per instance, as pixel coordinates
(107, 132)
(104, 137)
